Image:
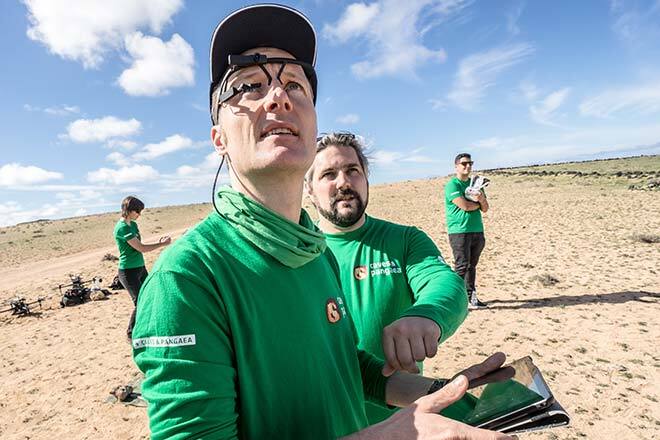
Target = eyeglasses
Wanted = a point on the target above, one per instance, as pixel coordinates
(466, 163)
(253, 92)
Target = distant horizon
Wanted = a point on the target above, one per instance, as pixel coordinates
(43, 220)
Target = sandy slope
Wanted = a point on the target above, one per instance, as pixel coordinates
(594, 333)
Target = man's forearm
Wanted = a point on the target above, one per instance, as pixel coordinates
(465, 204)
(484, 205)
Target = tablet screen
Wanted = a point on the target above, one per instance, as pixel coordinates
(489, 402)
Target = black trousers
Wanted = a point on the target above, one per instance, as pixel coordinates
(467, 248)
(132, 280)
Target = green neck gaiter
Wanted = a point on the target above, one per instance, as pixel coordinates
(291, 244)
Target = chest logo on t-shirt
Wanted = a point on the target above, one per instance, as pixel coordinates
(335, 309)
(384, 268)
(360, 272)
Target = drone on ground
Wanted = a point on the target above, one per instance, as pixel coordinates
(78, 292)
(19, 307)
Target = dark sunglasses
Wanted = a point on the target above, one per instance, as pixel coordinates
(466, 163)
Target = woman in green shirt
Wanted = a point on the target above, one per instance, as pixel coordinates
(132, 271)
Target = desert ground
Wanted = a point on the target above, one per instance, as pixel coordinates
(571, 272)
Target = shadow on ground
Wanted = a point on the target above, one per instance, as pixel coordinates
(574, 300)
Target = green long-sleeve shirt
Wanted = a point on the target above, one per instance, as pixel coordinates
(389, 271)
(234, 344)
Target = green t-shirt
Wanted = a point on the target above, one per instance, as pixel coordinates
(389, 271)
(459, 221)
(129, 257)
(234, 344)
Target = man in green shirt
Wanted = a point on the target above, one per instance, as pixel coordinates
(402, 295)
(242, 328)
(464, 225)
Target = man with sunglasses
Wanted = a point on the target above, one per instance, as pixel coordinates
(465, 226)
(243, 330)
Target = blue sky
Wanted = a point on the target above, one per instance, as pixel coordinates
(101, 99)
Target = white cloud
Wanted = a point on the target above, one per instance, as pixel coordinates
(15, 213)
(157, 66)
(61, 110)
(381, 157)
(14, 174)
(639, 28)
(512, 18)
(121, 144)
(478, 72)
(68, 204)
(545, 110)
(88, 194)
(348, 119)
(196, 176)
(99, 130)
(393, 31)
(86, 30)
(600, 141)
(65, 196)
(130, 174)
(186, 171)
(86, 199)
(643, 99)
(493, 142)
(118, 159)
(8, 208)
(419, 158)
(529, 90)
(171, 144)
(55, 188)
(388, 158)
(72, 200)
(353, 23)
(211, 161)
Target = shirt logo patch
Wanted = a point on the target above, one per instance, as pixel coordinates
(360, 272)
(334, 309)
(165, 341)
(386, 268)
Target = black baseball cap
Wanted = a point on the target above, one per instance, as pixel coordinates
(262, 25)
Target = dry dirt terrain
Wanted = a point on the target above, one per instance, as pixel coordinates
(571, 271)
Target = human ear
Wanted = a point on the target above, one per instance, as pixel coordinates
(218, 139)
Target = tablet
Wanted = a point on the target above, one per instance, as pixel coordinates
(521, 403)
(551, 417)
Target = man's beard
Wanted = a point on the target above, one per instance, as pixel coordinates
(348, 219)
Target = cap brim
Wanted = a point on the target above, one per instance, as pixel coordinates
(263, 25)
